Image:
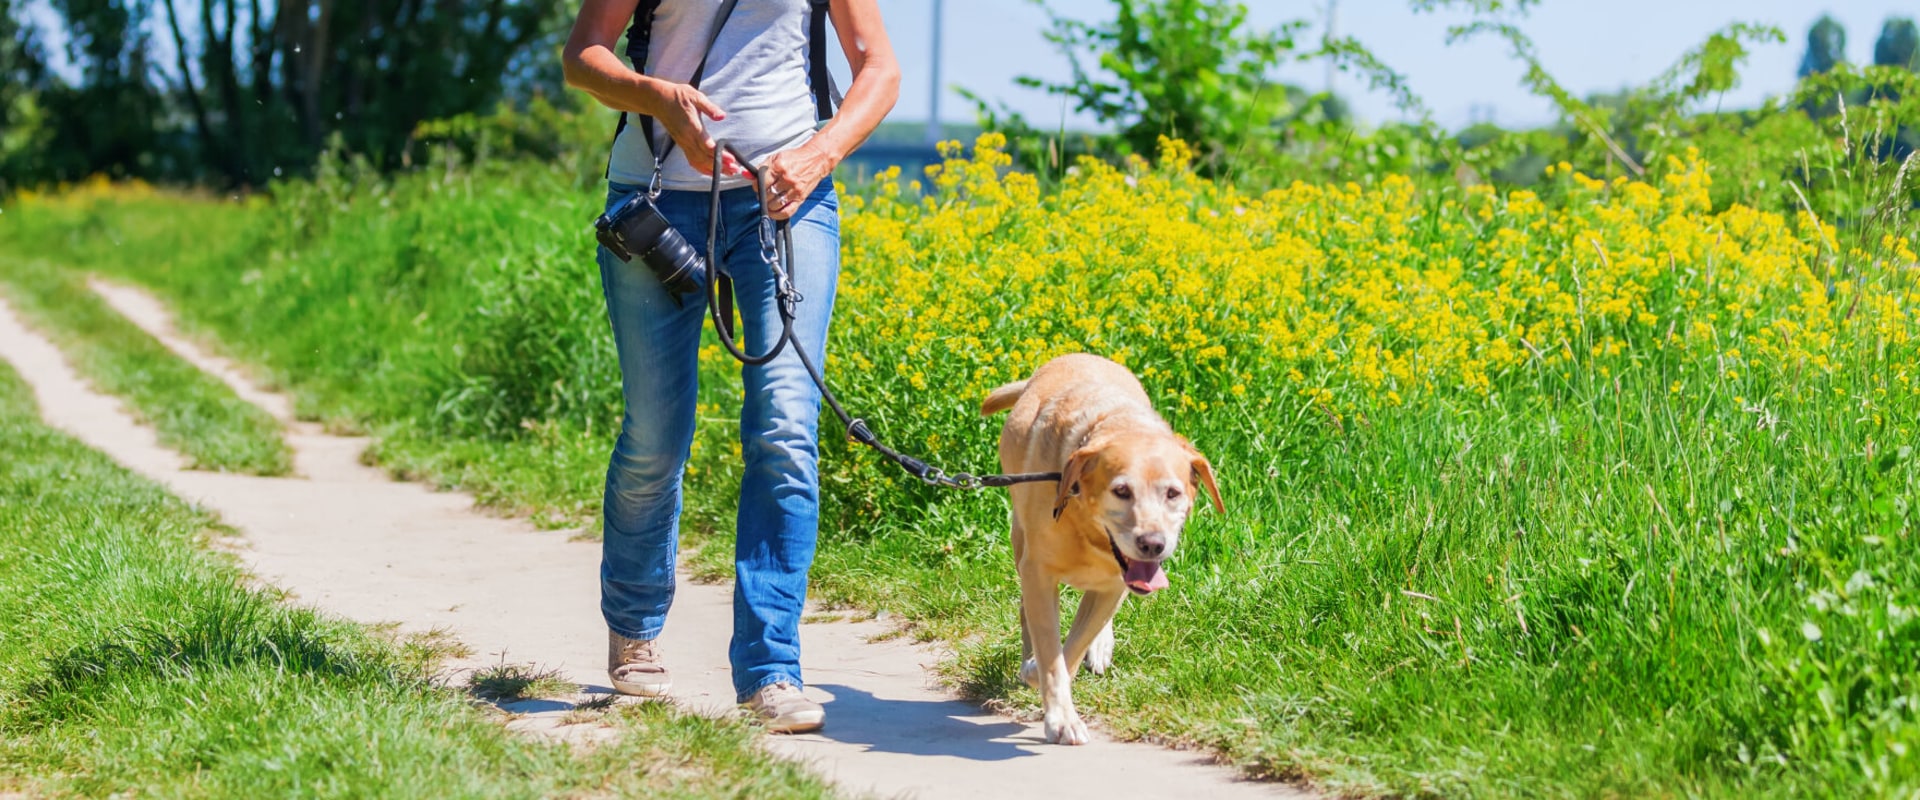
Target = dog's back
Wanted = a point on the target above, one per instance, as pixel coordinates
(1056, 409)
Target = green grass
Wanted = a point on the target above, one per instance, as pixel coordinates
(193, 412)
(1585, 585)
(134, 663)
(508, 682)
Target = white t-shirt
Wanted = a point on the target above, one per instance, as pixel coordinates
(757, 74)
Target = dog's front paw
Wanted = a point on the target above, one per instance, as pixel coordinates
(1066, 729)
(1100, 653)
(1030, 673)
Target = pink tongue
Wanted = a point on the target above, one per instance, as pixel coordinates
(1145, 576)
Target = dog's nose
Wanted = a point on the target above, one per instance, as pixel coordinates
(1151, 544)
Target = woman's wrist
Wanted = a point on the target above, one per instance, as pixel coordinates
(650, 96)
(829, 148)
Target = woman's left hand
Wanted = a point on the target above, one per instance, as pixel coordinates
(791, 176)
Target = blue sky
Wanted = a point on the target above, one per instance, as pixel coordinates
(1589, 46)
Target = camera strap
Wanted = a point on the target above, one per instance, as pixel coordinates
(646, 122)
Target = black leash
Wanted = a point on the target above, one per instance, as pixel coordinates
(776, 247)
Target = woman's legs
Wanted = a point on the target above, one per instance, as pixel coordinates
(658, 343)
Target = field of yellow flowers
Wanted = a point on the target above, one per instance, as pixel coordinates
(1352, 297)
(1598, 489)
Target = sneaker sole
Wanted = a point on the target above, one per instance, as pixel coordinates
(636, 689)
(805, 724)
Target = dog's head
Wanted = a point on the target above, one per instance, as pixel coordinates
(1138, 491)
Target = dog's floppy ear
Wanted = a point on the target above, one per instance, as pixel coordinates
(1070, 478)
(1203, 475)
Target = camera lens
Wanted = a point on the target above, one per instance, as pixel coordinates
(674, 260)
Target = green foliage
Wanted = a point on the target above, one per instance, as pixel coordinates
(1624, 132)
(24, 132)
(542, 130)
(1184, 69)
(236, 93)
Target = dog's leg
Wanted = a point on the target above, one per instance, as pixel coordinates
(1040, 605)
(1092, 625)
(1029, 668)
(1029, 671)
(1100, 653)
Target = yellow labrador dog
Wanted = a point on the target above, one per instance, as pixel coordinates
(1127, 483)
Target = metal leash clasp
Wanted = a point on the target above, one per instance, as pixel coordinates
(769, 245)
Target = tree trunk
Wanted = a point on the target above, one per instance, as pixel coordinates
(202, 128)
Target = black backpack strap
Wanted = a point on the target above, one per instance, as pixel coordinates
(639, 36)
(825, 96)
(646, 122)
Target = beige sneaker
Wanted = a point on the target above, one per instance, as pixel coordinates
(783, 709)
(635, 667)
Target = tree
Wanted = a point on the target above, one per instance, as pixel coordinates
(1898, 45)
(1179, 68)
(23, 131)
(1826, 47)
(265, 87)
(105, 123)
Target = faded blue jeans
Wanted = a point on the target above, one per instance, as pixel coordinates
(658, 343)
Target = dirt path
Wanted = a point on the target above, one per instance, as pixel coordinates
(343, 537)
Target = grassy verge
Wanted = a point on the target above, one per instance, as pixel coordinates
(134, 663)
(193, 412)
(1609, 497)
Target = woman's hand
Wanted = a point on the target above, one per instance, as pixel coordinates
(791, 176)
(684, 112)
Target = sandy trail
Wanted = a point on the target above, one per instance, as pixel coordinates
(345, 538)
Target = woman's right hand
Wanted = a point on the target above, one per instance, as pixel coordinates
(684, 111)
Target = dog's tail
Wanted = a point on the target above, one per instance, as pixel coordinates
(1002, 398)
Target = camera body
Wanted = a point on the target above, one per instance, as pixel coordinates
(636, 228)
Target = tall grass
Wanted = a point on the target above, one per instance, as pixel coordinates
(1605, 494)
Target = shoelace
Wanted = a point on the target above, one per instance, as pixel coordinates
(637, 651)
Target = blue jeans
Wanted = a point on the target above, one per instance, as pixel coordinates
(658, 342)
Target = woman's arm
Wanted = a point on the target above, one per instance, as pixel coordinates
(792, 174)
(590, 65)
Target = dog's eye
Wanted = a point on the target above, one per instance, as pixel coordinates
(1173, 494)
(1123, 492)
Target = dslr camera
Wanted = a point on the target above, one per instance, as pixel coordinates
(637, 228)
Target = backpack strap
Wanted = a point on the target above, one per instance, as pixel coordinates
(713, 35)
(639, 37)
(825, 95)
